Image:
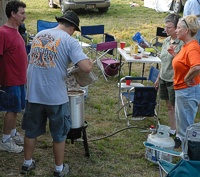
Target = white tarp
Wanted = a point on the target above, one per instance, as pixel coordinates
(158, 5)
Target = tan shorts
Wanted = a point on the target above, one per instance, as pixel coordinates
(166, 91)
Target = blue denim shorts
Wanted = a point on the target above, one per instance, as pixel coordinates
(12, 98)
(35, 120)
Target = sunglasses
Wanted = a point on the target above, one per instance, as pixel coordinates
(185, 22)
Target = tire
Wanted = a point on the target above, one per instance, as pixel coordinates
(103, 10)
(51, 4)
(177, 6)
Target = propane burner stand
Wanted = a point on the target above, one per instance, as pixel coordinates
(78, 127)
(76, 133)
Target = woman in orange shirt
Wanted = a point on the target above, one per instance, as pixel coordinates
(186, 65)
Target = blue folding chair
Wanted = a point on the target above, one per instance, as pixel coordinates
(42, 25)
(142, 99)
(140, 103)
(88, 33)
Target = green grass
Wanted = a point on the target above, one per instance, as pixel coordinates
(121, 154)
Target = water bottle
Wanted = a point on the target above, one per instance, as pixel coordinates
(136, 48)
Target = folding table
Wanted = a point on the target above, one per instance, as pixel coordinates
(130, 59)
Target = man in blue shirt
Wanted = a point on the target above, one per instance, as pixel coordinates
(192, 7)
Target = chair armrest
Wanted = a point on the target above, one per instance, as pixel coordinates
(152, 40)
(167, 151)
(87, 37)
(135, 78)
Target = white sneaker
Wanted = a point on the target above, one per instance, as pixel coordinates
(18, 139)
(62, 173)
(10, 146)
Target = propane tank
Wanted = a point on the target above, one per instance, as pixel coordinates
(160, 139)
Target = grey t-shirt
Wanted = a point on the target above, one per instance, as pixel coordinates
(167, 72)
(51, 52)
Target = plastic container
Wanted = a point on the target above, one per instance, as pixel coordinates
(160, 139)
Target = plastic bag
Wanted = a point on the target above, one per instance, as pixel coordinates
(140, 40)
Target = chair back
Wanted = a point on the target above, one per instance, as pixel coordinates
(92, 30)
(161, 32)
(185, 168)
(42, 25)
(153, 74)
(109, 38)
(144, 102)
(191, 143)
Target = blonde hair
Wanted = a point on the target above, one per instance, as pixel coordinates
(191, 22)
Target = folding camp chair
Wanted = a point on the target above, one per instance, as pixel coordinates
(155, 43)
(42, 25)
(189, 164)
(88, 33)
(108, 64)
(184, 168)
(128, 95)
(140, 103)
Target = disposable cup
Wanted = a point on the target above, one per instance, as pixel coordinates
(128, 82)
(122, 45)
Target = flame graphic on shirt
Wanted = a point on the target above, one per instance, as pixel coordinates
(44, 51)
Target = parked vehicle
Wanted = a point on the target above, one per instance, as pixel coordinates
(101, 5)
(177, 5)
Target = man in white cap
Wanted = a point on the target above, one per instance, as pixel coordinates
(51, 52)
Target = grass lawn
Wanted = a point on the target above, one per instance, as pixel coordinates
(119, 155)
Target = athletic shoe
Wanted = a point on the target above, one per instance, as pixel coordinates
(18, 139)
(62, 173)
(10, 146)
(26, 169)
(177, 142)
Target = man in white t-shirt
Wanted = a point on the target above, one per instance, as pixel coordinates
(192, 7)
(51, 52)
